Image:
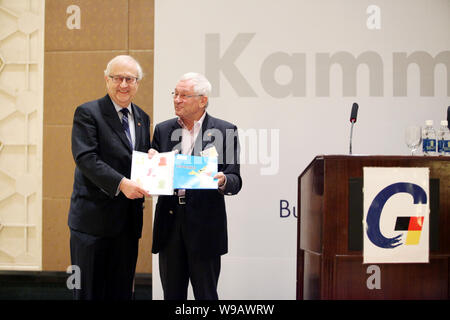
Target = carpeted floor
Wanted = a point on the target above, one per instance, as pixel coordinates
(24, 285)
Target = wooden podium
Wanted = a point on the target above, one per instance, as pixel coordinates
(330, 239)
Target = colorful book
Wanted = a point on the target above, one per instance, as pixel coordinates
(154, 175)
(167, 171)
(193, 172)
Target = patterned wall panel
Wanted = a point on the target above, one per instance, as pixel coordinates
(21, 110)
(81, 36)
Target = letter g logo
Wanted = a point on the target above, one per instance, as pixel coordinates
(374, 214)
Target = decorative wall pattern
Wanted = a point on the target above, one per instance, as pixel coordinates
(36, 166)
(21, 112)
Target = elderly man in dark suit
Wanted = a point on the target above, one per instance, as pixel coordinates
(190, 227)
(106, 208)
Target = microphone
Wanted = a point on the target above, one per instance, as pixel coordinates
(353, 117)
(354, 113)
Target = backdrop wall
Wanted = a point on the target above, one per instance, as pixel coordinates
(80, 38)
(286, 73)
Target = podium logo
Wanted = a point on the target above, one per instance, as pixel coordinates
(413, 225)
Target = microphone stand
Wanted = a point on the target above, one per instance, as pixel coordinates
(351, 136)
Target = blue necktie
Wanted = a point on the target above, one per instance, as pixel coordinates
(126, 126)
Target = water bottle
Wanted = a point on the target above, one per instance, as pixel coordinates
(444, 139)
(429, 139)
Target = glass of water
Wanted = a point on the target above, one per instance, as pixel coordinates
(413, 137)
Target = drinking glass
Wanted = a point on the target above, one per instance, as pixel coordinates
(413, 137)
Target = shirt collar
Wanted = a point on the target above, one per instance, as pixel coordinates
(118, 108)
(196, 123)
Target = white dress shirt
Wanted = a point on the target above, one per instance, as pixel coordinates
(189, 137)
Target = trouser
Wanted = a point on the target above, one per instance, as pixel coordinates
(177, 266)
(107, 265)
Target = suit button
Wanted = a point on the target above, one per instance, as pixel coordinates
(229, 193)
(171, 211)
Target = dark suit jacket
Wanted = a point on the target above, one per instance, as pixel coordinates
(102, 156)
(205, 224)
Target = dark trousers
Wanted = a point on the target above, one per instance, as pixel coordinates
(107, 265)
(177, 266)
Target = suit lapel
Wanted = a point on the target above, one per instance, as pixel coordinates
(175, 139)
(113, 120)
(138, 125)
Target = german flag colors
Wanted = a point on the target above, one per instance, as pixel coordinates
(414, 227)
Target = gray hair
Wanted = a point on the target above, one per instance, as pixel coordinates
(140, 74)
(201, 84)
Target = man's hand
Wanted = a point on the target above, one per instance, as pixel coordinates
(151, 153)
(132, 190)
(222, 179)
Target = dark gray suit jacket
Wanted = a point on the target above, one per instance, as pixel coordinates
(102, 156)
(205, 222)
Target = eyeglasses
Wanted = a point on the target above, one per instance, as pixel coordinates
(119, 79)
(184, 96)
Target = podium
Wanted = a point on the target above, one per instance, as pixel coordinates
(330, 236)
